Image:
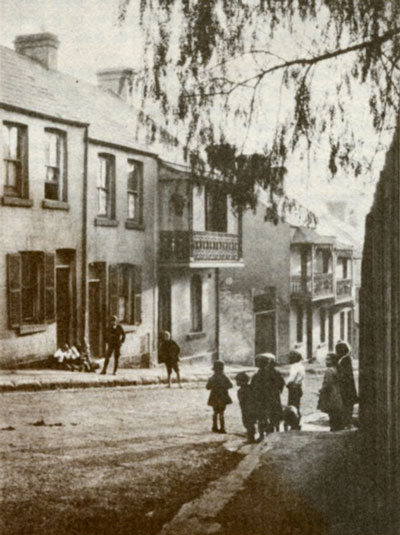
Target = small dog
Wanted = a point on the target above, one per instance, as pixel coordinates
(291, 418)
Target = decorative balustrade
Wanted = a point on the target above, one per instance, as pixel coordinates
(343, 287)
(322, 285)
(184, 246)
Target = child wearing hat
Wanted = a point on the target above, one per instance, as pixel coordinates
(219, 398)
(247, 404)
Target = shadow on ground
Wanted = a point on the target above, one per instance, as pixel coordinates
(308, 483)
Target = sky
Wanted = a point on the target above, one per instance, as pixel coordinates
(92, 39)
(90, 36)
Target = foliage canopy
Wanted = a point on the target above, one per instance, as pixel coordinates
(250, 82)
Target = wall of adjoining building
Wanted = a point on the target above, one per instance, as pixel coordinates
(119, 244)
(198, 345)
(266, 257)
(36, 228)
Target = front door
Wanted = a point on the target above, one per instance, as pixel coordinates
(95, 319)
(265, 333)
(164, 305)
(63, 304)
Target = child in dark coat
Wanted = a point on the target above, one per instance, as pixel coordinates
(247, 404)
(219, 384)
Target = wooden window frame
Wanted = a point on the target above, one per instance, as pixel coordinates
(213, 213)
(125, 282)
(108, 187)
(135, 192)
(59, 168)
(21, 190)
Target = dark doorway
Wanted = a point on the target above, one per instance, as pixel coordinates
(309, 333)
(64, 312)
(164, 304)
(95, 318)
(265, 332)
(331, 316)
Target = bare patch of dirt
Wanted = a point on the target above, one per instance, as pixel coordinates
(118, 495)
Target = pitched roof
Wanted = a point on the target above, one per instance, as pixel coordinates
(308, 235)
(28, 86)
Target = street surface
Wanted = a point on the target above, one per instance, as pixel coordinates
(111, 460)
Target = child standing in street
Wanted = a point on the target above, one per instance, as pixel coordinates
(295, 381)
(247, 404)
(219, 384)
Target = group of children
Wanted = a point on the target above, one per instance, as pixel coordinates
(74, 358)
(260, 397)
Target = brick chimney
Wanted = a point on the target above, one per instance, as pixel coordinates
(116, 80)
(42, 47)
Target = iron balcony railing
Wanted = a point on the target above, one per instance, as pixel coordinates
(320, 285)
(343, 287)
(185, 246)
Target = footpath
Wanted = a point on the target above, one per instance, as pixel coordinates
(296, 483)
(46, 379)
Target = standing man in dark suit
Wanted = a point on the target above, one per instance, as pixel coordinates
(115, 338)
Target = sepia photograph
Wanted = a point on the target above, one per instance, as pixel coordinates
(200, 267)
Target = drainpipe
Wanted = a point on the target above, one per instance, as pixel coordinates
(217, 312)
(84, 237)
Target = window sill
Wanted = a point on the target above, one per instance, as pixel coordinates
(195, 336)
(8, 200)
(32, 328)
(55, 205)
(134, 225)
(104, 222)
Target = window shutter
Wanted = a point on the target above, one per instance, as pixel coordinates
(49, 287)
(14, 290)
(113, 290)
(138, 295)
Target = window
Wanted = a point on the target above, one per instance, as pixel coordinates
(322, 317)
(325, 261)
(15, 160)
(216, 210)
(342, 324)
(125, 292)
(196, 296)
(300, 324)
(31, 288)
(134, 191)
(343, 268)
(55, 188)
(106, 186)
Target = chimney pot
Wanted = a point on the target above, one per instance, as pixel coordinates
(41, 47)
(116, 80)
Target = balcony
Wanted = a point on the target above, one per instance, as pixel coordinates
(343, 288)
(197, 248)
(319, 287)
